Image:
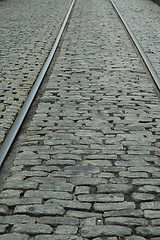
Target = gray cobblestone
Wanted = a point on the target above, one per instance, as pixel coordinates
(82, 189)
(70, 204)
(87, 181)
(89, 221)
(20, 185)
(148, 231)
(151, 214)
(138, 197)
(114, 206)
(66, 230)
(14, 236)
(100, 197)
(109, 230)
(135, 238)
(150, 205)
(40, 210)
(10, 193)
(20, 201)
(108, 188)
(149, 188)
(58, 237)
(128, 221)
(155, 222)
(83, 214)
(31, 228)
(87, 167)
(58, 188)
(146, 181)
(126, 212)
(16, 219)
(54, 221)
(48, 194)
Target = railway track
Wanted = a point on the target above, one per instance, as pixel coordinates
(21, 116)
(87, 166)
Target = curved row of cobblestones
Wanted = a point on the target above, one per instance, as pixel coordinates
(28, 30)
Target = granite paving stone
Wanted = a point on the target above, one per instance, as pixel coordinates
(31, 228)
(139, 197)
(55, 221)
(87, 165)
(66, 229)
(40, 210)
(48, 194)
(58, 237)
(100, 197)
(14, 236)
(108, 188)
(114, 206)
(70, 204)
(83, 214)
(148, 231)
(109, 230)
(150, 205)
(128, 221)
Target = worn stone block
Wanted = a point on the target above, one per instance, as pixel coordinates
(110, 230)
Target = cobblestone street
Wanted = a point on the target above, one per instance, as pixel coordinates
(25, 42)
(88, 166)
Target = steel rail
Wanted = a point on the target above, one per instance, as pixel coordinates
(6, 145)
(139, 48)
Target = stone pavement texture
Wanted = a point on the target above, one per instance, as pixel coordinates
(25, 41)
(143, 17)
(88, 166)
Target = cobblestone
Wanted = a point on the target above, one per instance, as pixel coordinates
(54, 221)
(87, 164)
(70, 204)
(109, 230)
(114, 206)
(48, 194)
(148, 231)
(108, 188)
(14, 236)
(40, 210)
(16, 219)
(22, 54)
(66, 230)
(58, 237)
(128, 221)
(31, 228)
(142, 196)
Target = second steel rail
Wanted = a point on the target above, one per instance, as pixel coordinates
(139, 48)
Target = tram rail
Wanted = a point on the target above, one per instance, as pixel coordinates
(87, 166)
(6, 145)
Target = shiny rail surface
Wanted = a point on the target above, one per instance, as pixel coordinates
(139, 48)
(6, 145)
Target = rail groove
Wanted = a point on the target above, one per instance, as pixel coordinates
(6, 145)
